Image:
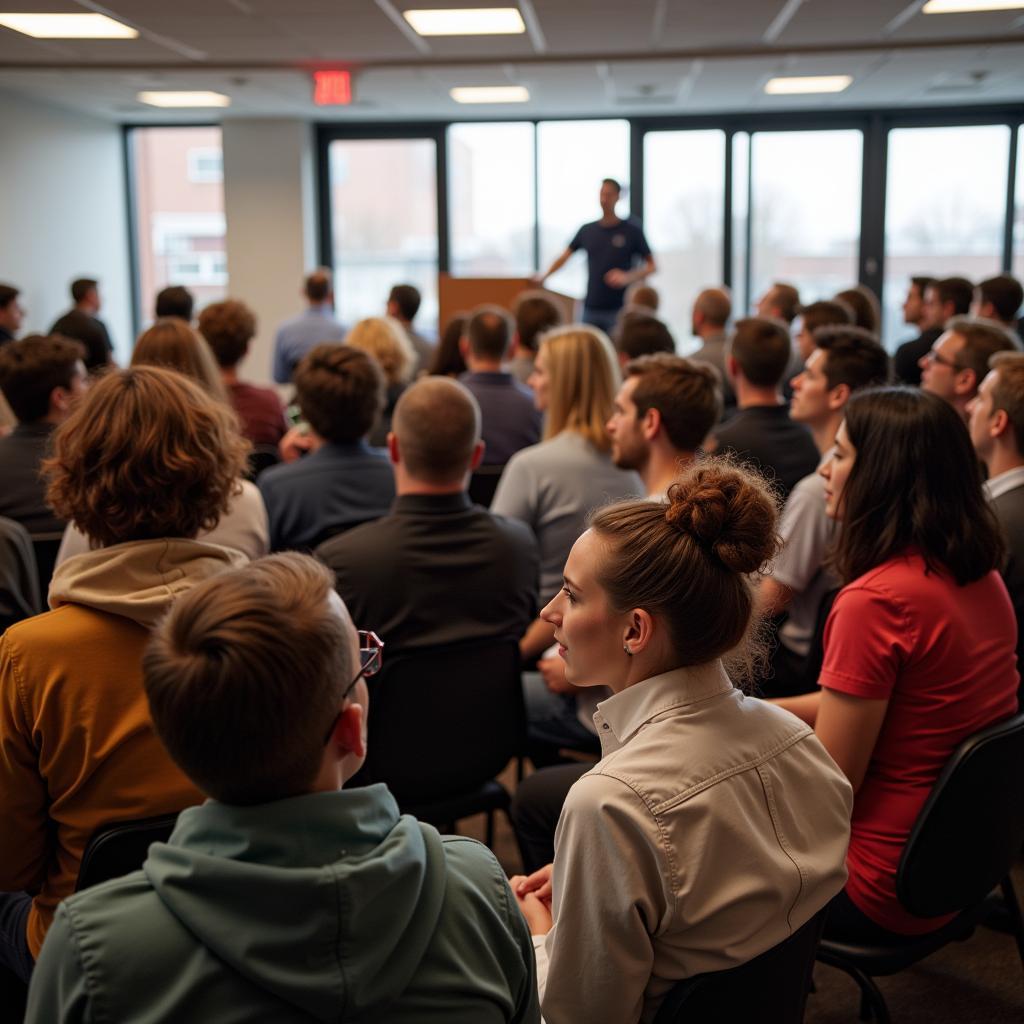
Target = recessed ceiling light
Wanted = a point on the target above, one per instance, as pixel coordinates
(184, 99)
(490, 94)
(469, 21)
(969, 6)
(806, 84)
(68, 26)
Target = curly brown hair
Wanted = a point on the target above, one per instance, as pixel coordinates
(228, 327)
(147, 453)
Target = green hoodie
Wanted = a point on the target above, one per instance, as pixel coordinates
(325, 907)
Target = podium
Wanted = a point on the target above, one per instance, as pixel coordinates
(463, 294)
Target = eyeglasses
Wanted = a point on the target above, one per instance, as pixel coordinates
(371, 656)
(933, 357)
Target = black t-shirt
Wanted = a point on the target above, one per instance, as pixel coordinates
(609, 247)
(907, 356)
(90, 332)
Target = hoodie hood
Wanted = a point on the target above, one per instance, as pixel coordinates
(348, 894)
(140, 579)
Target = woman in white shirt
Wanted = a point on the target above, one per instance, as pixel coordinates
(714, 825)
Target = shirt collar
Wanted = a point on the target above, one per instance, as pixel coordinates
(439, 504)
(623, 714)
(998, 485)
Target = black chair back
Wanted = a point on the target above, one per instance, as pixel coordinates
(483, 483)
(262, 457)
(816, 652)
(770, 989)
(972, 826)
(45, 546)
(121, 848)
(444, 720)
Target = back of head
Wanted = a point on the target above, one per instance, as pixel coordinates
(855, 357)
(489, 333)
(244, 676)
(384, 339)
(81, 287)
(1005, 295)
(641, 334)
(862, 300)
(583, 377)
(786, 299)
(535, 313)
(340, 391)
(1008, 393)
(688, 395)
(915, 482)
(691, 562)
(31, 368)
(982, 340)
(175, 300)
(762, 347)
(406, 298)
(826, 312)
(228, 327)
(643, 295)
(715, 306)
(317, 285)
(448, 360)
(172, 343)
(8, 293)
(437, 424)
(145, 454)
(957, 290)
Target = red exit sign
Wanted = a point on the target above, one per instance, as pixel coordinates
(332, 88)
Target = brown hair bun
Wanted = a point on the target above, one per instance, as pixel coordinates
(728, 511)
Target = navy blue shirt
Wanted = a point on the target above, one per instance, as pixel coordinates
(609, 247)
(508, 418)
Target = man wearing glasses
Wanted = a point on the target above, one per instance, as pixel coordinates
(285, 896)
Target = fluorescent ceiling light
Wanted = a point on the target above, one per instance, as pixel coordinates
(68, 26)
(184, 99)
(807, 84)
(469, 21)
(490, 94)
(969, 6)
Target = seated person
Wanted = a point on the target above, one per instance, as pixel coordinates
(465, 573)
(919, 646)
(228, 327)
(19, 578)
(640, 333)
(80, 323)
(942, 300)
(535, 314)
(174, 300)
(145, 462)
(677, 853)
(284, 897)
(867, 313)
(827, 313)
(41, 378)
(384, 340)
(708, 319)
(342, 481)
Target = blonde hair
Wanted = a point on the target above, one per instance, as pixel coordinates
(583, 376)
(171, 343)
(384, 338)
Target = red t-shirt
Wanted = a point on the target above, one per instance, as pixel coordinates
(944, 656)
(260, 411)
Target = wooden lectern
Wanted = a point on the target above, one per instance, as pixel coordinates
(462, 294)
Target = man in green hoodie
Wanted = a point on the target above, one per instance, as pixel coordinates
(284, 897)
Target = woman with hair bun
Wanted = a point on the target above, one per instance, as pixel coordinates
(714, 825)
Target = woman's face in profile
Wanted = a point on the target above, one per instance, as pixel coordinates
(538, 380)
(836, 471)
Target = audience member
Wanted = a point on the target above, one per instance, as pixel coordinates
(42, 378)
(312, 327)
(761, 431)
(285, 896)
(144, 462)
(11, 313)
(642, 334)
(997, 433)
(711, 312)
(465, 573)
(999, 298)
(342, 482)
(780, 302)
(509, 419)
(81, 324)
(662, 414)
(228, 327)
(653, 878)
(534, 314)
(19, 577)
(846, 358)
(403, 305)
(173, 343)
(641, 295)
(448, 361)
(913, 304)
(827, 313)
(175, 300)
(385, 341)
(867, 314)
(944, 299)
(919, 645)
(958, 360)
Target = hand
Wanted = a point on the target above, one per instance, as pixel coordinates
(617, 278)
(296, 443)
(552, 671)
(537, 914)
(537, 884)
(539, 279)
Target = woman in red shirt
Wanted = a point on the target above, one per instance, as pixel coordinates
(920, 644)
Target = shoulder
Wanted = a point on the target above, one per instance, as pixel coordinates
(510, 531)
(359, 543)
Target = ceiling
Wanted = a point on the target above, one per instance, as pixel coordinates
(578, 57)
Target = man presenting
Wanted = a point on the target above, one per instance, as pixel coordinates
(613, 246)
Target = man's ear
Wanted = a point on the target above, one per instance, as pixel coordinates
(60, 400)
(999, 424)
(965, 382)
(651, 424)
(838, 397)
(393, 448)
(477, 457)
(349, 734)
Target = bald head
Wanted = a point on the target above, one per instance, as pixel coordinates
(437, 426)
(714, 306)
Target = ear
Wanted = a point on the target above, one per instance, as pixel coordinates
(623, 359)
(732, 368)
(1000, 424)
(639, 631)
(464, 346)
(477, 456)
(60, 400)
(838, 396)
(349, 735)
(650, 425)
(393, 451)
(965, 383)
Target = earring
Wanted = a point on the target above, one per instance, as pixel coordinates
(625, 647)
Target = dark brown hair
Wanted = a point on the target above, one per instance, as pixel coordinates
(146, 453)
(763, 348)
(244, 675)
(855, 357)
(175, 300)
(982, 339)
(640, 334)
(407, 298)
(81, 287)
(864, 303)
(317, 285)
(489, 332)
(787, 298)
(228, 327)
(340, 391)
(825, 313)
(8, 293)
(1005, 294)
(31, 368)
(688, 395)
(915, 483)
(535, 313)
(691, 562)
(448, 361)
(957, 290)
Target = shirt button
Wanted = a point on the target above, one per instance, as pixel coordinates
(605, 726)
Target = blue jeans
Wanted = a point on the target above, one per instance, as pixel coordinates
(14, 953)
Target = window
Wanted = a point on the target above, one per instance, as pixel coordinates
(179, 213)
(384, 219)
(491, 199)
(945, 209)
(684, 202)
(1018, 210)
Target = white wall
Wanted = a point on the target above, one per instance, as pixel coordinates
(269, 210)
(63, 213)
